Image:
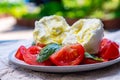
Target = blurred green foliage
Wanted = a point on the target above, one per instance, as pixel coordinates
(13, 7)
(51, 8)
(104, 9)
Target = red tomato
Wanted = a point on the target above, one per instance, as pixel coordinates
(34, 49)
(109, 50)
(68, 55)
(90, 61)
(30, 57)
(104, 43)
(21, 50)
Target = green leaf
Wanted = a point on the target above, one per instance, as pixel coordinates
(47, 51)
(33, 43)
(87, 55)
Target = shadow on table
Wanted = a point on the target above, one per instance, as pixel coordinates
(107, 73)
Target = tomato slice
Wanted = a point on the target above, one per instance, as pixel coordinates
(104, 43)
(68, 55)
(21, 50)
(30, 57)
(34, 49)
(90, 61)
(109, 50)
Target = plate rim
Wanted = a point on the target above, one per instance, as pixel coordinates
(21, 63)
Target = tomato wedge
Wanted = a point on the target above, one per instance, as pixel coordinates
(21, 50)
(109, 50)
(68, 55)
(34, 49)
(30, 57)
(90, 61)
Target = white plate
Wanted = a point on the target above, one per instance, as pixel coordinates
(60, 69)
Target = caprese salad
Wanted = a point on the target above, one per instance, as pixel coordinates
(57, 55)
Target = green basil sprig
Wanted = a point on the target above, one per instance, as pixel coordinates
(87, 55)
(47, 51)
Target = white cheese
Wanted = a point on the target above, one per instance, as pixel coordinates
(54, 29)
(50, 29)
(90, 34)
(70, 39)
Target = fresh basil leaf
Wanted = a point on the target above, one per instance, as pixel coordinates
(87, 55)
(98, 59)
(33, 43)
(47, 51)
